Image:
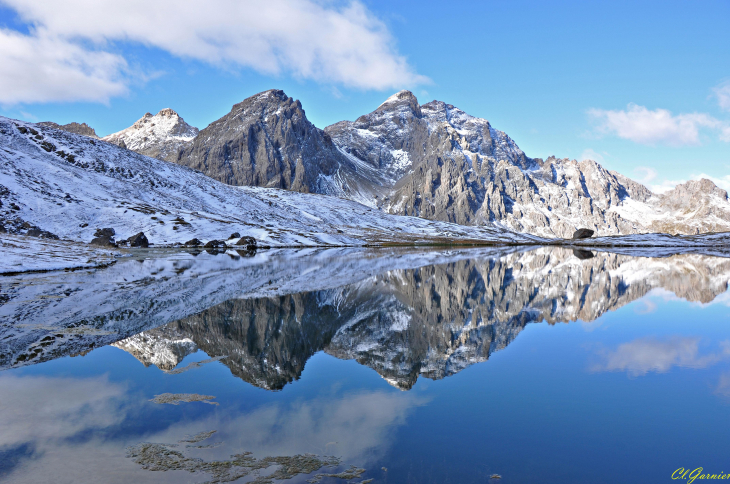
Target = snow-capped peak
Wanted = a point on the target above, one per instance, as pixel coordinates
(399, 96)
(160, 135)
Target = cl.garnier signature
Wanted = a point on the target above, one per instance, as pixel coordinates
(691, 474)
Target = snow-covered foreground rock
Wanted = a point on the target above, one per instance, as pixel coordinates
(403, 312)
(70, 185)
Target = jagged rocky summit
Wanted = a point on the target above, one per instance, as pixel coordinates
(161, 136)
(76, 128)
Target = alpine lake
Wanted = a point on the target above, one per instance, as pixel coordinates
(480, 365)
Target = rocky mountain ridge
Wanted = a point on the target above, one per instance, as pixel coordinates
(437, 162)
(76, 128)
(160, 136)
(58, 184)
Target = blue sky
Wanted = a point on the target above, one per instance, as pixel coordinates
(644, 87)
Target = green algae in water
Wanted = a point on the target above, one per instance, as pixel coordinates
(177, 398)
(164, 457)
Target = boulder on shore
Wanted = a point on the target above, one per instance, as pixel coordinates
(215, 244)
(235, 235)
(103, 241)
(139, 240)
(583, 234)
(247, 241)
(107, 232)
(193, 243)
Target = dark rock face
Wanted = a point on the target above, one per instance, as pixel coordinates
(139, 240)
(247, 241)
(215, 244)
(268, 141)
(103, 241)
(76, 128)
(107, 232)
(235, 235)
(583, 254)
(40, 233)
(194, 243)
(583, 234)
(444, 164)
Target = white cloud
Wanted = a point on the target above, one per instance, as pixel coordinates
(42, 68)
(722, 93)
(646, 174)
(68, 53)
(660, 126)
(589, 154)
(645, 355)
(666, 185)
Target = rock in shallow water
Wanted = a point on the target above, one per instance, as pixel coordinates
(247, 241)
(583, 234)
(107, 232)
(103, 241)
(215, 243)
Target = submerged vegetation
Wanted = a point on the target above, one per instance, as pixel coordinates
(177, 398)
(165, 457)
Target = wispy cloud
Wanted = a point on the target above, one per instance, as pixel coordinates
(72, 50)
(589, 154)
(641, 125)
(645, 174)
(722, 93)
(666, 185)
(645, 355)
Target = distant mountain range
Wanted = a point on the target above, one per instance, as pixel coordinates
(432, 161)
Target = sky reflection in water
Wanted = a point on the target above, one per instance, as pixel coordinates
(433, 367)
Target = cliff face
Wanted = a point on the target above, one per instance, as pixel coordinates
(268, 141)
(444, 164)
(435, 320)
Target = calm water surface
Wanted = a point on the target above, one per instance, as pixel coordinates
(541, 366)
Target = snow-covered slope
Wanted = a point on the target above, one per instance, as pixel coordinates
(71, 185)
(27, 254)
(160, 136)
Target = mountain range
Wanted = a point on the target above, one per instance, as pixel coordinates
(432, 161)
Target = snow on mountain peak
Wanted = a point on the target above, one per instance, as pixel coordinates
(161, 135)
(400, 96)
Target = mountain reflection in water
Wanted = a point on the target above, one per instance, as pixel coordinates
(431, 321)
(644, 384)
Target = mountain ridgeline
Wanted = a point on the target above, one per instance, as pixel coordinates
(432, 161)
